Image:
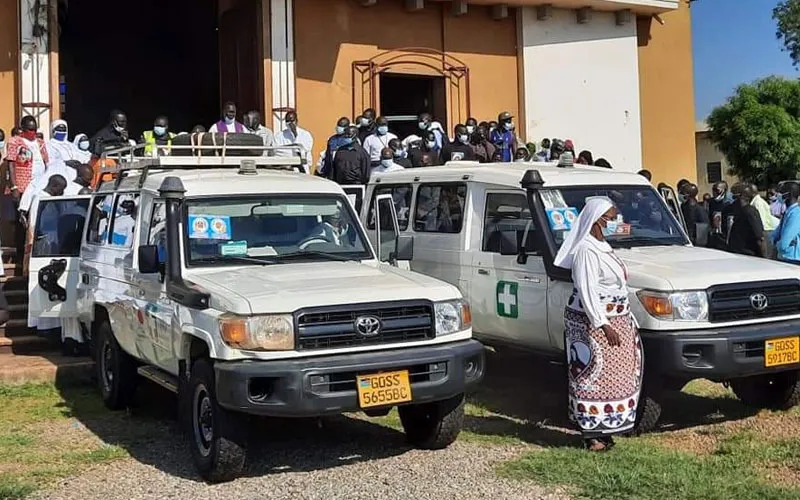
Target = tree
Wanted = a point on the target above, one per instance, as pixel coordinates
(758, 130)
(787, 15)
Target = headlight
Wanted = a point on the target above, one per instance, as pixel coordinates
(452, 316)
(274, 332)
(678, 306)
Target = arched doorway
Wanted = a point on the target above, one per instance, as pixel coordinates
(404, 82)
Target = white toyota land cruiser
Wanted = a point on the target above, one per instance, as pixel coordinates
(493, 230)
(253, 291)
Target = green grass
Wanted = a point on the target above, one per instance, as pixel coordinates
(40, 439)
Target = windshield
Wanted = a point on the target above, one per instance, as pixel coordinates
(643, 218)
(267, 230)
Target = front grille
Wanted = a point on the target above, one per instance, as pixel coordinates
(334, 327)
(733, 302)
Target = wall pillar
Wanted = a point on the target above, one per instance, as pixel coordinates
(282, 59)
(34, 62)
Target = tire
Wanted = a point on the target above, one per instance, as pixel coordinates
(648, 415)
(217, 437)
(433, 426)
(209, 139)
(116, 370)
(775, 391)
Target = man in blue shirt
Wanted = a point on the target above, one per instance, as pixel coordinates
(788, 233)
(335, 141)
(504, 138)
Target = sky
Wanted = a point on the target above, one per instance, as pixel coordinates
(733, 42)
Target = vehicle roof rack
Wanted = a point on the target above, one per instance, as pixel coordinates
(128, 159)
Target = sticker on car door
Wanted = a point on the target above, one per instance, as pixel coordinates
(507, 299)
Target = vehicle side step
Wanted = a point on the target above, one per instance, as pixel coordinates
(160, 377)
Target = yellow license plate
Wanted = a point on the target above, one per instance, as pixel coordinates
(382, 389)
(783, 351)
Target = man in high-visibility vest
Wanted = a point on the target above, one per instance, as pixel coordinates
(159, 136)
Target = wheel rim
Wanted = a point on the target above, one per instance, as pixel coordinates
(203, 420)
(106, 364)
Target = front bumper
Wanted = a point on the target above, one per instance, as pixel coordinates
(315, 386)
(717, 354)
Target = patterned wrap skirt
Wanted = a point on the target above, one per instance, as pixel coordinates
(604, 381)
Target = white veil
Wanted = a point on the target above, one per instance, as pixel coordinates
(595, 207)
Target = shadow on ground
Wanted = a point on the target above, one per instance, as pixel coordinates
(522, 397)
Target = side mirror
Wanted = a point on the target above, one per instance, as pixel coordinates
(508, 243)
(148, 259)
(405, 247)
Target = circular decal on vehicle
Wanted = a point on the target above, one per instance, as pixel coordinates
(200, 225)
(219, 226)
(558, 218)
(571, 217)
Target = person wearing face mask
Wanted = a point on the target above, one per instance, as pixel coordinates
(333, 144)
(377, 142)
(252, 120)
(112, 136)
(293, 134)
(544, 153)
(400, 155)
(492, 126)
(718, 211)
(427, 124)
(696, 218)
(59, 147)
(26, 157)
(387, 163)
(472, 125)
(228, 122)
(747, 232)
(460, 149)
(351, 165)
(776, 205)
(504, 137)
(424, 149)
(159, 136)
(482, 148)
(82, 144)
(522, 155)
(786, 237)
(366, 125)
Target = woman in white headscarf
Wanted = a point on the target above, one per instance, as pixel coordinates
(604, 353)
(81, 146)
(59, 147)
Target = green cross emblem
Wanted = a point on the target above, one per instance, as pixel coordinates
(507, 302)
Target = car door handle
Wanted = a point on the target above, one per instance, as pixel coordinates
(532, 279)
(483, 272)
(85, 278)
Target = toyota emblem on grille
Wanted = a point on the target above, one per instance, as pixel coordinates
(368, 326)
(759, 301)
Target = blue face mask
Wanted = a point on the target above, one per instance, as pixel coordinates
(387, 163)
(60, 136)
(383, 130)
(347, 141)
(423, 125)
(508, 126)
(159, 131)
(339, 130)
(611, 227)
(399, 153)
(2, 144)
(431, 144)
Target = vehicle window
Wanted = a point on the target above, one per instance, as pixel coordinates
(273, 229)
(123, 224)
(387, 230)
(508, 212)
(157, 233)
(59, 227)
(644, 219)
(440, 208)
(401, 195)
(99, 219)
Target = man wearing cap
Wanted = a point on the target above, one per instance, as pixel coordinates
(504, 138)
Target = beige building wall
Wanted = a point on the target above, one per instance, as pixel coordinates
(666, 85)
(708, 153)
(9, 64)
(330, 35)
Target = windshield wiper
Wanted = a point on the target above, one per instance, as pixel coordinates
(237, 258)
(316, 253)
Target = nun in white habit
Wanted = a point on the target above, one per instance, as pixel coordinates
(604, 351)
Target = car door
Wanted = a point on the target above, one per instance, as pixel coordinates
(400, 195)
(54, 267)
(509, 298)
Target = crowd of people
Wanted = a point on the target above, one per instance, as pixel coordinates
(740, 220)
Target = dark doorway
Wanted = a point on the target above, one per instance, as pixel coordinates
(404, 97)
(147, 58)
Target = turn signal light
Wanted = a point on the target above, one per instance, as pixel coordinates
(658, 306)
(234, 332)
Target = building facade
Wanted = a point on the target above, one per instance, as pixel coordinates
(615, 76)
(712, 166)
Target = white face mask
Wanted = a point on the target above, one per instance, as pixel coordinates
(229, 121)
(470, 129)
(387, 163)
(83, 145)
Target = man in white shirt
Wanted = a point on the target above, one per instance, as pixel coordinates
(293, 134)
(387, 163)
(376, 142)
